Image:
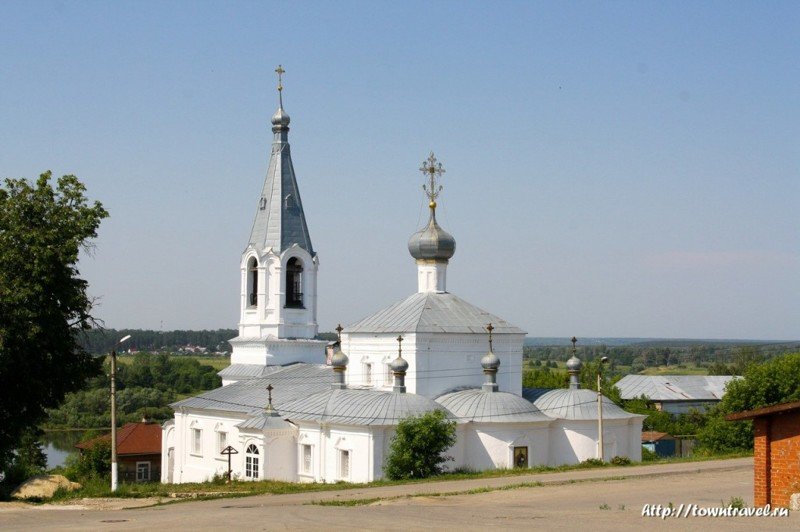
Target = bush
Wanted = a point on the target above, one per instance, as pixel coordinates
(648, 455)
(621, 460)
(592, 462)
(418, 445)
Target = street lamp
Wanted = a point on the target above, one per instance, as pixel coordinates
(114, 411)
(600, 408)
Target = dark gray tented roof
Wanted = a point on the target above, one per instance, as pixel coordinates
(489, 407)
(250, 396)
(563, 403)
(430, 312)
(280, 221)
(358, 407)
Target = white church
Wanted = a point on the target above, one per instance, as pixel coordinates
(292, 409)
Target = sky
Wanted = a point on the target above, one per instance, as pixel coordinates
(623, 169)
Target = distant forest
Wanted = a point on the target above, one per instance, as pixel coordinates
(720, 358)
(102, 341)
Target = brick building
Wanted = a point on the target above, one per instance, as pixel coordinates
(776, 452)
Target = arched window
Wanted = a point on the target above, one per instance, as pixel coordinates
(294, 283)
(252, 282)
(251, 462)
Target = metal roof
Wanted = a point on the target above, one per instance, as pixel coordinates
(247, 371)
(280, 221)
(265, 421)
(358, 407)
(563, 403)
(674, 387)
(430, 312)
(250, 396)
(479, 406)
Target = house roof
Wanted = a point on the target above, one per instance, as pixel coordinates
(431, 312)
(132, 438)
(765, 411)
(674, 387)
(654, 435)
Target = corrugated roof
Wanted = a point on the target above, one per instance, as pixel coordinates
(248, 396)
(132, 438)
(358, 407)
(480, 406)
(265, 421)
(280, 221)
(674, 387)
(430, 312)
(564, 403)
(653, 435)
(247, 371)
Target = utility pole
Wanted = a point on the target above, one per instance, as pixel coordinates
(114, 474)
(600, 409)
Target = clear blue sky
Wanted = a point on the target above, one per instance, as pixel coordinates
(613, 168)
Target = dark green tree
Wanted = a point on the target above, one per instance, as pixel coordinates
(43, 301)
(773, 382)
(417, 449)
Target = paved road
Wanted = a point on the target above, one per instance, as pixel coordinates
(599, 499)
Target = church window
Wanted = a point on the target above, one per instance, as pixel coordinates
(252, 282)
(368, 373)
(251, 462)
(294, 283)
(197, 441)
(344, 464)
(306, 464)
(222, 441)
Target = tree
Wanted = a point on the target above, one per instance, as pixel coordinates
(43, 301)
(773, 382)
(418, 445)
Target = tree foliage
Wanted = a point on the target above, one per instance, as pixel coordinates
(145, 389)
(773, 382)
(417, 449)
(43, 301)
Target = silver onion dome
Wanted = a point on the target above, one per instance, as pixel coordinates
(490, 361)
(399, 365)
(280, 118)
(432, 243)
(574, 363)
(339, 360)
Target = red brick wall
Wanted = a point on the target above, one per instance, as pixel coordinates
(777, 458)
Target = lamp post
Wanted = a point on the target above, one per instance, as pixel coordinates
(600, 409)
(114, 411)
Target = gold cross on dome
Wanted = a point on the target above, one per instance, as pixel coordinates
(433, 169)
(400, 346)
(269, 391)
(490, 328)
(280, 72)
(339, 330)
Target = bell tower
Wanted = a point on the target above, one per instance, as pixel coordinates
(278, 299)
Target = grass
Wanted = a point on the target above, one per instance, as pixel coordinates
(219, 489)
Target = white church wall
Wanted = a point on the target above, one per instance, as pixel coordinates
(491, 446)
(327, 459)
(438, 362)
(573, 441)
(281, 462)
(198, 463)
(277, 352)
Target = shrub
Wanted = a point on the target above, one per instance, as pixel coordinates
(418, 445)
(592, 462)
(621, 460)
(648, 455)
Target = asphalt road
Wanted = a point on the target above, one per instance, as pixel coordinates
(595, 499)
